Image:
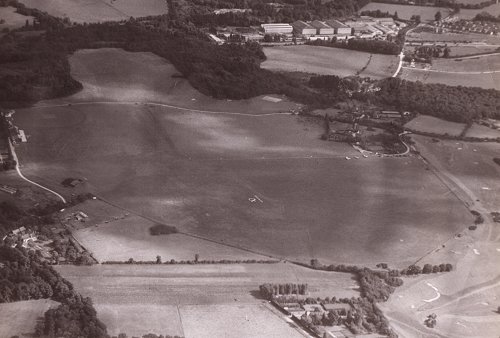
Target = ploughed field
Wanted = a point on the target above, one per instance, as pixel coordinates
(99, 10)
(262, 182)
(329, 61)
(187, 299)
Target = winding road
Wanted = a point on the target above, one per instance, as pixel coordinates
(14, 156)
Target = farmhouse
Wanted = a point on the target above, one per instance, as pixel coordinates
(277, 28)
(340, 308)
(339, 28)
(303, 28)
(322, 28)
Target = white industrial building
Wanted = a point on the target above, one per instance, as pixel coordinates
(303, 28)
(277, 28)
(339, 28)
(322, 28)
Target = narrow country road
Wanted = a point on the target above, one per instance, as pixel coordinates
(14, 155)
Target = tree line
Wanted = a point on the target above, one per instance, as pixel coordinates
(363, 45)
(269, 290)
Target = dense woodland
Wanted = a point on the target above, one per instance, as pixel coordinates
(200, 12)
(24, 276)
(455, 4)
(485, 16)
(363, 45)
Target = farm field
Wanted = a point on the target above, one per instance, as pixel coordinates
(151, 79)
(406, 11)
(472, 164)
(477, 130)
(81, 11)
(381, 66)
(469, 14)
(248, 321)
(159, 296)
(19, 318)
(117, 237)
(458, 38)
(12, 19)
(328, 61)
(491, 81)
(203, 172)
(457, 51)
(430, 124)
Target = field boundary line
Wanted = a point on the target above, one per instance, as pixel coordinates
(156, 104)
(14, 156)
(187, 233)
(451, 72)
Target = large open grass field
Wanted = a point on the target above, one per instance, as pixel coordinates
(99, 10)
(247, 320)
(263, 182)
(19, 318)
(113, 234)
(329, 61)
(163, 299)
(472, 163)
(483, 71)
(407, 11)
(430, 124)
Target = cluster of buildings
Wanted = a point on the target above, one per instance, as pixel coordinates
(27, 236)
(14, 133)
(363, 27)
(467, 26)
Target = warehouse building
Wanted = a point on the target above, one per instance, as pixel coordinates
(322, 28)
(277, 28)
(339, 28)
(303, 28)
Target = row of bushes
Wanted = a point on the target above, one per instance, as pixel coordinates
(193, 262)
(363, 45)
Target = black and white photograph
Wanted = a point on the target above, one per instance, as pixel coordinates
(249, 169)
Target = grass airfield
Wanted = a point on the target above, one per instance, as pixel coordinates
(203, 171)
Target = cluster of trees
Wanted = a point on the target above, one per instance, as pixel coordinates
(485, 16)
(269, 290)
(426, 53)
(478, 218)
(453, 103)
(362, 316)
(200, 12)
(33, 70)
(364, 45)
(24, 276)
(456, 5)
(379, 14)
(428, 268)
(162, 229)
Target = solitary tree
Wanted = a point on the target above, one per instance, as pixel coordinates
(438, 16)
(196, 257)
(158, 259)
